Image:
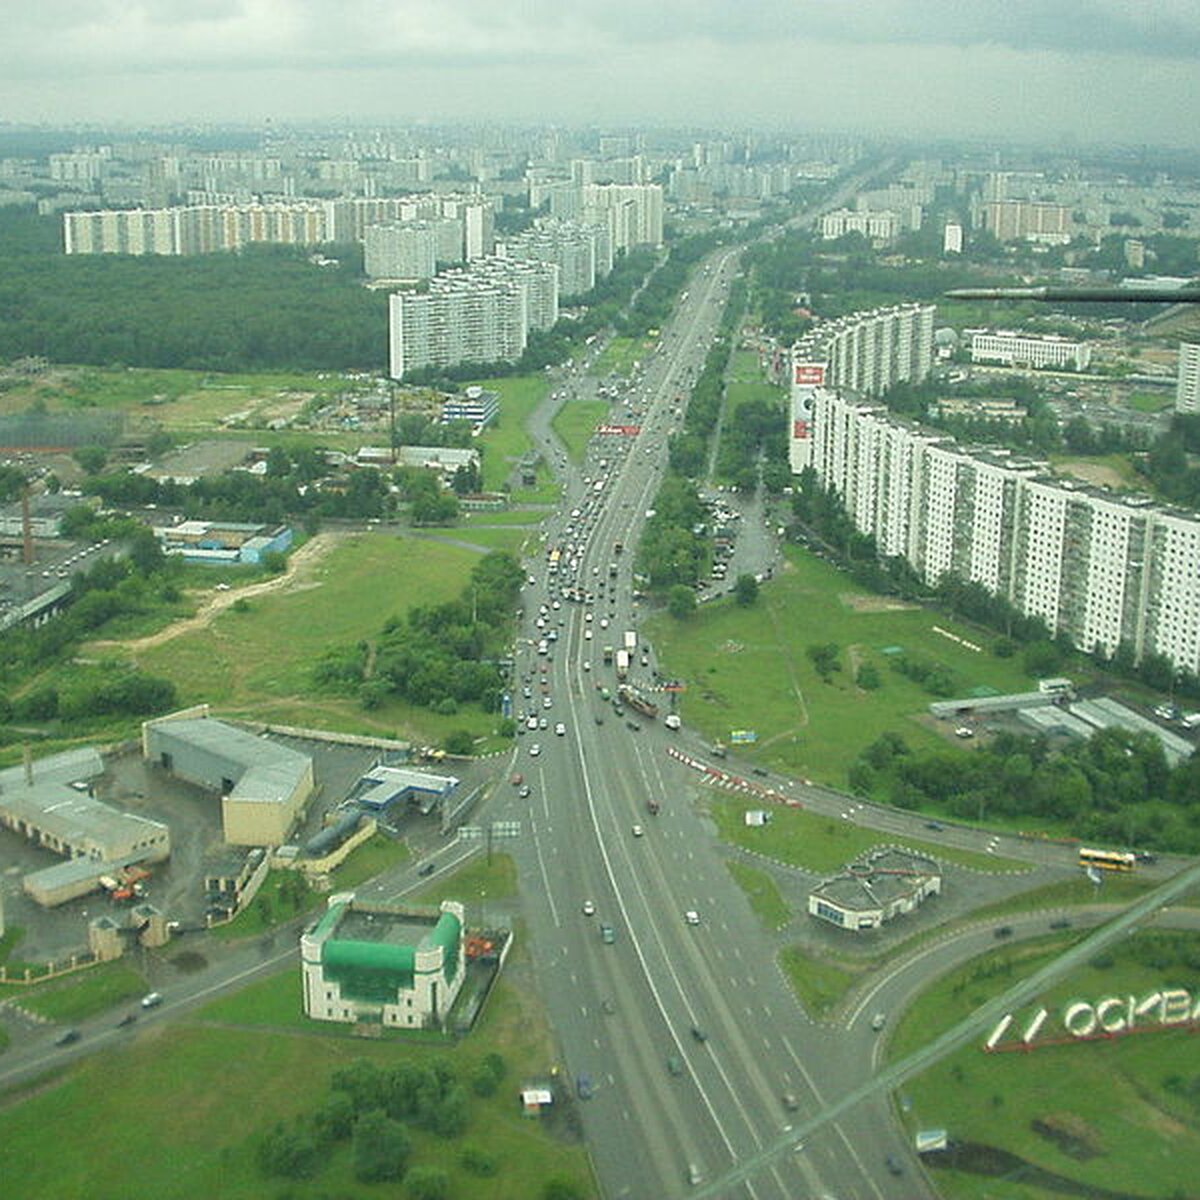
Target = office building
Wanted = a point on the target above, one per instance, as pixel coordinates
(1022, 350)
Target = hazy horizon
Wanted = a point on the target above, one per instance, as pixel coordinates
(1084, 71)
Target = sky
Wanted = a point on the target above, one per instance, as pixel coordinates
(1075, 71)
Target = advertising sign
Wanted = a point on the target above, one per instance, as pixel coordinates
(808, 374)
(742, 737)
(620, 430)
(1108, 1017)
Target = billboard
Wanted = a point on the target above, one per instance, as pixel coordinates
(808, 374)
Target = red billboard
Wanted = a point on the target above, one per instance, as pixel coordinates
(808, 374)
(801, 429)
(620, 430)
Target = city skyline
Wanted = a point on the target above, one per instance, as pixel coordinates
(1076, 70)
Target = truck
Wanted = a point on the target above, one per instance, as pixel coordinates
(630, 640)
(608, 656)
(622, 664)
(638, 702)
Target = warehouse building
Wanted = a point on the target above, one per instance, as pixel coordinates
(263, 786)
(383, 965)
(876, 889)
(49, 803)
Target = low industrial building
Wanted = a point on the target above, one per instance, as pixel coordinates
(263, 786)
(876, 889)
(223, 543)
(382, 965)
(50, 804)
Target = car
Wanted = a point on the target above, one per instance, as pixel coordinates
(790, 1102)
(518, 779)
(527, 692)
(589, 909)
(1002, 931)
(534, 750)
(638, 831)
(691, 917)
(878, 1021)
(699, 1034)
(543, 724)
(584, 1088)
(560, 729)
(127, 1020)
(547, 702)
(587, 635)
(608, 1006)
(694, 1174)
(426, 869)
(633, 727)
(674, 1064)
(152, 1000)
(618, 710)
(67, 1037)
(599, 719)
(523, 792)
(587, 666)
(1061, 923)
(934, 825)
(608, 934)
(894, 1165)
(531, 723)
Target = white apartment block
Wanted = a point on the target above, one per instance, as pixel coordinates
(1103, 569)
(1029, 221)
(879, 227)
(1187, 385)
(538, 282)
(865, 353)
(1021, 350)
(401, 250)
(632, 212)
(576, 250)
(461, 319)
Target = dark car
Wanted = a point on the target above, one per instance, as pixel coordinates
(699, 1034)
(1002, 931)
(675, 1064)
(894, 1165)
(934, 825)
(584, 1088)
(67, 1037)
(634, 726)
(427, 868)
(126, 1020)
(1061, 923)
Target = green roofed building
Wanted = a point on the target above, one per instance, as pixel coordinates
(383, 965)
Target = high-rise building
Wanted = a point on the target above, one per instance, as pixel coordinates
(401, 250)
(952, 238)
(1187, 386)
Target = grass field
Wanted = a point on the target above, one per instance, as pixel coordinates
(257, 663)
(81, 994)
(824, 844)
(818, 983)
(619, 356)
(205, 1090)
(1129, 1132)
(807, 727)
(506, 441)
(765, 897)
(1151, 402)
(575, 423)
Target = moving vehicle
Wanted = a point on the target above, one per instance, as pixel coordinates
(630, 640)
(584, 1088)
(637, 701)
(608, 934)
(152, 1000)
(608, 656)
(672, 721)
(652, 806)
(699, 1034)
(67, 1037)
(426, 869)
(674, 1064)
(589, 909)
(878, 1021)
(622, 664)
(638, 831)
(1107, 860)
(691, 917)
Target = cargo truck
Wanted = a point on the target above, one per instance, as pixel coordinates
(622, 664)
(630, 640)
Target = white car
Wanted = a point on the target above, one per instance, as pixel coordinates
(531, 723)
(534, 750)
(691, 917)
(603, 622)
(589, 909)
(587, 635)
(546, 701)
(638, 831)
(560, 729)
(587, 666)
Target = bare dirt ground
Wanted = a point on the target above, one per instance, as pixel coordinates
(869, 604)
(301, 568)
(1097, 473)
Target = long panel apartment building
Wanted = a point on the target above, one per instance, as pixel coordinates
(1106, 570)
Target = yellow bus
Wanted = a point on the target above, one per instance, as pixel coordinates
(1107, 860)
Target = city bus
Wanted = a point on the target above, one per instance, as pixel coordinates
(1107, 860)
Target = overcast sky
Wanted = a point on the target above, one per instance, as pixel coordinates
(1088, 70)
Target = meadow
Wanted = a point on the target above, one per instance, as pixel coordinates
(805, 726)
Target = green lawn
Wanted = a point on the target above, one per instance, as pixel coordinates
(575, 423)
(807, 727)
(1137, 1136)
(764, 895)
(81, 994)
(818, 983)
(505, 442)
(204, 1091)
(257, 663)
(744, 366)
(824, 844)
(619, 356)
(1151, 402)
